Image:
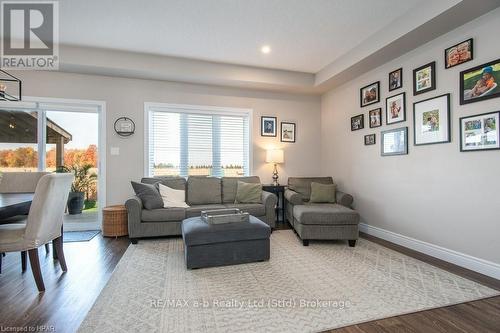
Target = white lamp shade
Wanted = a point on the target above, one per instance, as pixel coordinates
(275, 156)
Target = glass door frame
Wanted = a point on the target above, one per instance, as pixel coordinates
(43, 104)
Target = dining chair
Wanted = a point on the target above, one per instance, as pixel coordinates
(43, 224)
(20, 182)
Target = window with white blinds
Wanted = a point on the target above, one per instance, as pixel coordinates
(192, 141)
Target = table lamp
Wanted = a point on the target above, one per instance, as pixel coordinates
(275, 156)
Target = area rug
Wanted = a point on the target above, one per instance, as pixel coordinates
(79, 236)
(301, 289)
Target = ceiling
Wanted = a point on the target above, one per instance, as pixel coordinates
(304, 35)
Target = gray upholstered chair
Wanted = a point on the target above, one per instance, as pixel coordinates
(44, 223)
(320, 221)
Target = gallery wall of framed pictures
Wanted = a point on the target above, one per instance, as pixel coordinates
(432, 114)
(269, 128)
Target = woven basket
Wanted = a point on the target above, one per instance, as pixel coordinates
(115, 221)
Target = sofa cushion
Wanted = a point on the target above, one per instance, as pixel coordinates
(197, 232)
(196, 209)
(322, 193)
(149, 195)
(302, 185)
(175, 182)
(230, 186)
(248, 193)
(254, 209)
(163, 215)
(329, 214)
(203, 190)
(171, 197)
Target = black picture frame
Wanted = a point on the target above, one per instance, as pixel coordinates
(470, 42)
(400, 85)
(263, 124)
(432, 79)
(448, 122)
(369, 142)
(404, 151)
(494, 93)
(370, 118)
(460, 121)
(377, 84)
(282, 139)
(387, 109)
(362, 122)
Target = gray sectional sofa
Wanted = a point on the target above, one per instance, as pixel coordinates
(202, 193)
(320, 221)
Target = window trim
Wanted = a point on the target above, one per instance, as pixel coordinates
(194, 109)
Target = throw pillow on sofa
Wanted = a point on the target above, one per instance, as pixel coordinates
(149, 195)
(171, 197)
(322, 193)
(248, 193)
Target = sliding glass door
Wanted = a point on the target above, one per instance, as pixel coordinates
(54, 137)
(72, 145)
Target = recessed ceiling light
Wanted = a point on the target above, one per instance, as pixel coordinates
(265, 49)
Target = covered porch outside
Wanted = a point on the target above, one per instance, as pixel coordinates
(21, 127)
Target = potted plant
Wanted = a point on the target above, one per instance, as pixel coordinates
(83, 180)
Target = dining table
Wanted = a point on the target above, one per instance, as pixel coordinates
(14, 204)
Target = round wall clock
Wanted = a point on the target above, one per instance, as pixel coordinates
(124, 126)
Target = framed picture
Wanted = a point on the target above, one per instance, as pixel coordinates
(394, 142)
(395, 109)
(480, 132)
(369, 94)
(375, 117)
(424, 78)
(431, 120)
(396, 79)
(287, 132)
(480, 82)
(267, 126)
(358, 122)
(369, 139)
(458, 54)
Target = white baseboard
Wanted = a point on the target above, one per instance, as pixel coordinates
(460, 259)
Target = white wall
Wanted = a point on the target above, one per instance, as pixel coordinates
(435, 194)
(126, 97)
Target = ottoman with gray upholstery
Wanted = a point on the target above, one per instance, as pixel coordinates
(207, 245)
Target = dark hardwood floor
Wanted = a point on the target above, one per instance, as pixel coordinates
(69, 296)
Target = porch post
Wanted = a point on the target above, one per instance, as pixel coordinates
(60, 151)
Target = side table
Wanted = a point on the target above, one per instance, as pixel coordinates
(114, 221)
(279, 190)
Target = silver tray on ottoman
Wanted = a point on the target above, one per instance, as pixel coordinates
(222, 216)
